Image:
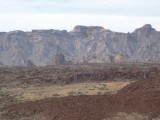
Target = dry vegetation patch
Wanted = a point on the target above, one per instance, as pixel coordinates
(87, 88)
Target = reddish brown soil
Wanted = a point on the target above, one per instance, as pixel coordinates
(142, 85)
(95, 107)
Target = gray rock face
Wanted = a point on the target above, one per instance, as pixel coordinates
(93, 44)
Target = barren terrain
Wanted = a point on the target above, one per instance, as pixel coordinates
(84, 92)
(86, 88)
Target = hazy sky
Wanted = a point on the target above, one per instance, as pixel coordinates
(116, 15)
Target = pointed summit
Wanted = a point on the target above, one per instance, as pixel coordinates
(147, 26)
(145, 30)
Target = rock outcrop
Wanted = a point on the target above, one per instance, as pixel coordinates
(121, 58)
(29, 63)
(95, 44)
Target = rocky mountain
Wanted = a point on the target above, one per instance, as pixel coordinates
(92, 44)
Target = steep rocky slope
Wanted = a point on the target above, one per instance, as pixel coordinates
(90, 44)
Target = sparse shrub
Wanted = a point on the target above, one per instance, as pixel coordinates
(99, 93)
(1, 94)
(80, 93)
(110, 92)
(103, 88)
(91, 89)
(62, 85)
(71, 93)
(104, 85)
(56, 95)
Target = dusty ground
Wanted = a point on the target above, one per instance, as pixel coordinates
(95, 107)
(80, 93)
(131, 116)
(40, 92)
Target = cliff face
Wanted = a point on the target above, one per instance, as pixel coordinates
(92, 44)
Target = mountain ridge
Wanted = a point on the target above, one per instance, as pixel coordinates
(89, 44)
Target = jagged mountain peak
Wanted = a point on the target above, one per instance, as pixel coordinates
(145, 30)
(147, 26)
(41, 46)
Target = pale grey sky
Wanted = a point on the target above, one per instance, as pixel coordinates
(117, 15)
